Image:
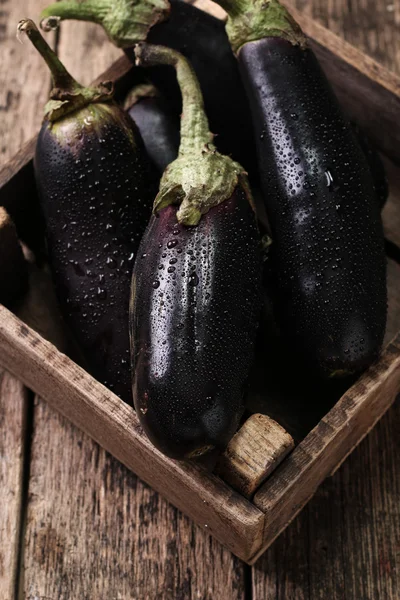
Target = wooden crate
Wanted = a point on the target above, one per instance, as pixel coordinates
(269, 497)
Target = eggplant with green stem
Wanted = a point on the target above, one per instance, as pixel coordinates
(195, 298)
(318, 193)
(200, 37)
(96, 186)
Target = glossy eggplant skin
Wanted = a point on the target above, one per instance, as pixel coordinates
(159, 128)
(96, 190)
(375, 164)
(194, 316)
(324, 216)
(202, 39)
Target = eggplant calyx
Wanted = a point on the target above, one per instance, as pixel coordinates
(63, 102)
(198, 181)
(125, 22)
(200, 178)
(67, 94)
(252, 20)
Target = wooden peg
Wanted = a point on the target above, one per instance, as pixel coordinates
(13, 268)
(253, 453)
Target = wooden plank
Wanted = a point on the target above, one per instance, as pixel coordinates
(253, 454)
(13, 412)
(24, 77)
(344, 544)
(24, 86)
(368, 25)
(114, 425)
(95, 531)
(288, 490)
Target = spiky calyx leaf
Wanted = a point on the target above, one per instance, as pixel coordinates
(198, 181)
(63, 102)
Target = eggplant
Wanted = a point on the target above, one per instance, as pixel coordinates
(96, 186)
(158, 126)
(331, 299)
(196, 289)
(376, 166)
(200, 37)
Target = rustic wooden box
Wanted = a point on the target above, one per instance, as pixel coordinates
(371, 96)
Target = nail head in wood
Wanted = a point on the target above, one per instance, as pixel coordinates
(253, 453)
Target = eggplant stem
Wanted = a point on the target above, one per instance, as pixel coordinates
(252, 20)
(195, 133)
(90, 10)
(61, 78)
(126, 22)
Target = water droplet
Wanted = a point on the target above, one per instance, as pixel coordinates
(329, 179)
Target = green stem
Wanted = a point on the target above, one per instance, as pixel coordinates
(200, 178)
(84, 11)
(61, 78)
(67, 94)
(252, 20)
(195, 133)
(126, 22)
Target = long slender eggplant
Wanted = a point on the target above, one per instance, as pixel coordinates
(96, 188)
(158, 126)
(195, 300)
(200, 37)
(318, 193)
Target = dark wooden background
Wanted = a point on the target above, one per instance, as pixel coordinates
(76, 525)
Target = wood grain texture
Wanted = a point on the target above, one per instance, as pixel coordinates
(114, 425)
(24, 77)
(344, 544)
(370, 25)
(253, 453)
(283, 496)
(95, 531)
(13, 410)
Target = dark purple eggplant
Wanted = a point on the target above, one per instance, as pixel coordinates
(195, 289)
(318, 193)
(201, 38)
(158, 125)
(375, 163)
(96, 188)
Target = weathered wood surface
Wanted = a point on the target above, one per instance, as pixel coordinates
(96, 531)
(345, 543)
(331, 440)
(253, 453)
(114, 425)
(23, 87)
(370, 25)
(13, 411)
